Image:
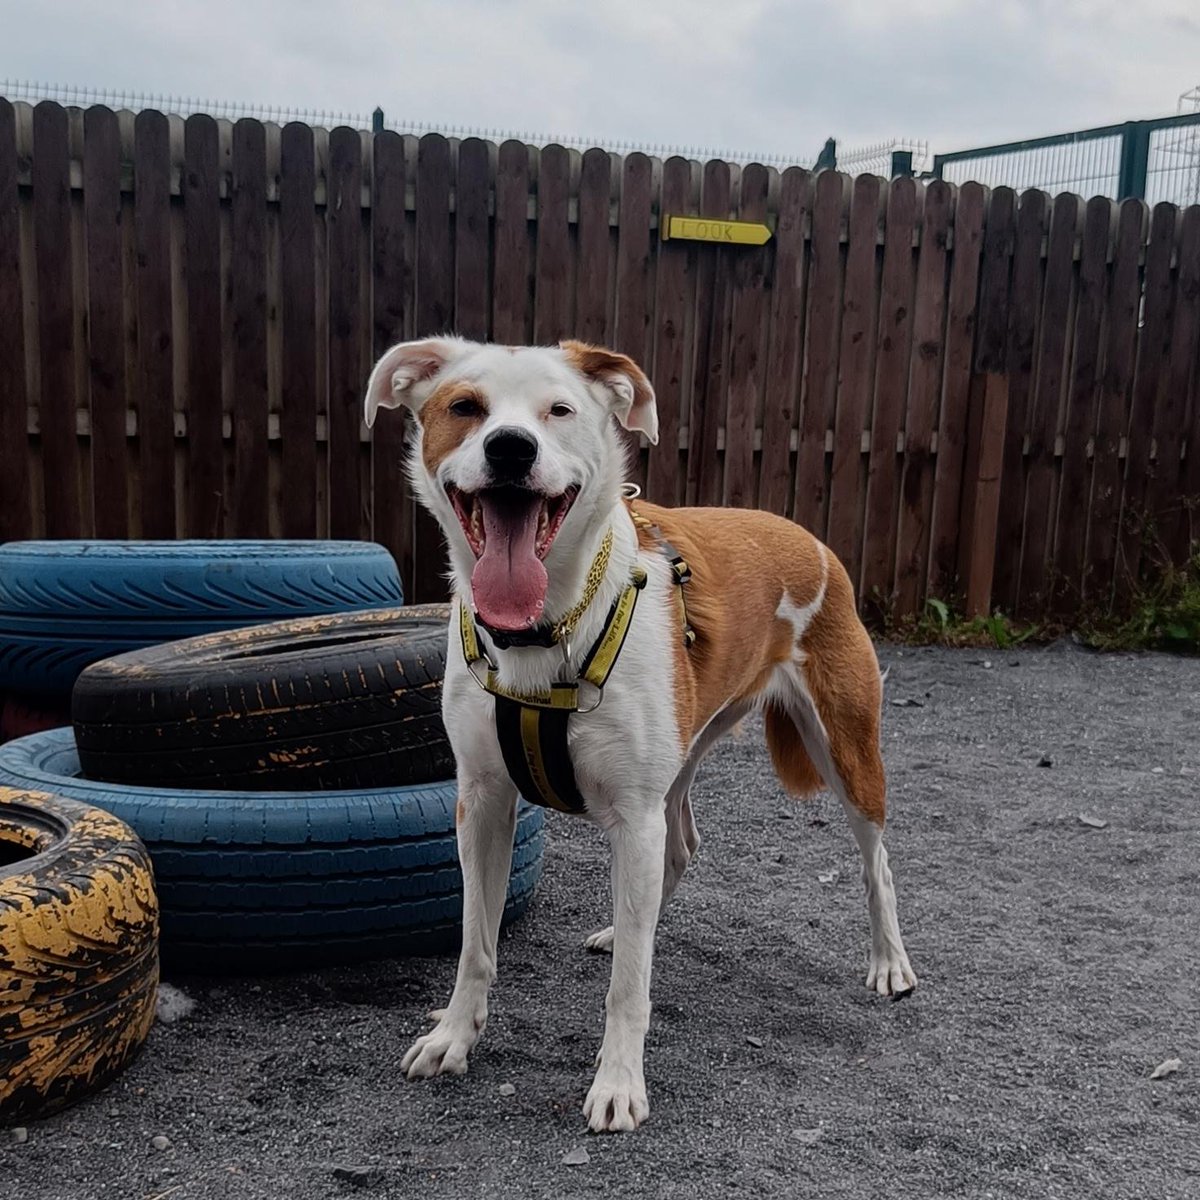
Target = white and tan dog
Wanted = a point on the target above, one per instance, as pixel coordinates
(520, 460)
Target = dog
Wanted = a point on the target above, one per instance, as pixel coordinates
(518, 455)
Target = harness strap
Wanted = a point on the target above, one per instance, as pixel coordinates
(532, 726)
(681, 573)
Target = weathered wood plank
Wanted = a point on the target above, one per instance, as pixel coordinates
(56, 321)
(1041, 467)
(16, 517)
(511, 288)
(595, 238)
(811, 505)
(746, 347)
(673, 282)
(552, 296)
(1079, 422)
(1024, 314)
(781, 402)
(391, 503)
(856, 363)
(298, 293)
(206, 501)
(346, 378)
(249, 266)
(893, 349)
(1122, 311)
(712, 300)
(106, 322)
(923, 396)
(1154, 342)
(471, 237)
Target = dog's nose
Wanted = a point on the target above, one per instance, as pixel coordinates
(510, 453)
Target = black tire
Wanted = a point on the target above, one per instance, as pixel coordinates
(64, 605)
(325, 703)
(78, 950)
(266, 881)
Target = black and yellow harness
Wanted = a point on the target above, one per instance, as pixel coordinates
(532, 726)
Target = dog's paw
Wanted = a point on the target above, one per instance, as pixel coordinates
(600, 942)
(617, 1101)
(443, 1051)
(891, 975)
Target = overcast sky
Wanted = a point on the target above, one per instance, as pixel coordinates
(759, 75)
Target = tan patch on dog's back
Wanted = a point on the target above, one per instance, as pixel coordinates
(443, 431)
(743, 562)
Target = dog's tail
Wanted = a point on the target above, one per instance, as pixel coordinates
(792, 762)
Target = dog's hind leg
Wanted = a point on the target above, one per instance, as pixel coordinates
(831, 690)
(486, 816)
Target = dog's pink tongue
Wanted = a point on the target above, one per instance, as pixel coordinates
(509, 582)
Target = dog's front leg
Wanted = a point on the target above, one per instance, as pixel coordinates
(617, 1100)
(487, 810)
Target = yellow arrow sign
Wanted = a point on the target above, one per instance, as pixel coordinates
(705, 229)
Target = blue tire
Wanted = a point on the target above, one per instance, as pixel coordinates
(65, 605)
(252, 881)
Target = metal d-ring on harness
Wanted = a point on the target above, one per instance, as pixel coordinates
(532, 726)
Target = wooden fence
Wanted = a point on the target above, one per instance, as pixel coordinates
(964, 393)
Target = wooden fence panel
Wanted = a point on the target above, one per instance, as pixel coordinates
(781, 403)
(1154, 342)
(1027, 282)
(510, 292)
(892, 355)
(635, 289)
(1166, 497)
(704, 481)
(434, 314)
(1041, 468)
(969, 216)
(1025, 404)
(16, 517)
(673, 280)
(595, 238)
(106, 322)
(811, 504)
(249, 265)
(1080, 413)
(981, 456)
(471, 238)
(552, 296)
(1124, 297)
(391, 503)
(924, 393)
(344, 220)
(747, 325)
(155, 334)
(856, 362)
(56, 321)
(206, 503)
(298, 383)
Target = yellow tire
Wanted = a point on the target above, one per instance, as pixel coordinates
(78, 950)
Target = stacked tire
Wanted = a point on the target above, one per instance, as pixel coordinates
(65, 605)
(293, 783)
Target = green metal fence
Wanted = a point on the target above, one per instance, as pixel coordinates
(1152, 160)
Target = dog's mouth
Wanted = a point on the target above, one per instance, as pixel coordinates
(510, 531)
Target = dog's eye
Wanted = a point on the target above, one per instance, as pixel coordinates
(467, 406)
(561, 410)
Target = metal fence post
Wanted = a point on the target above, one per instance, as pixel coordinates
(902, 167)
(1135, 156)
(377, 121)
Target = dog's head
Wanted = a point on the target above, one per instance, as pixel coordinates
(517, 455)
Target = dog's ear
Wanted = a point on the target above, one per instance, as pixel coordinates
(627, 390)
(407, 374)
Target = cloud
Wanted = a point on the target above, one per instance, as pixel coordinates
(767, 75)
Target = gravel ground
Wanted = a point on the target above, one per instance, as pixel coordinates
(1056, 962)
